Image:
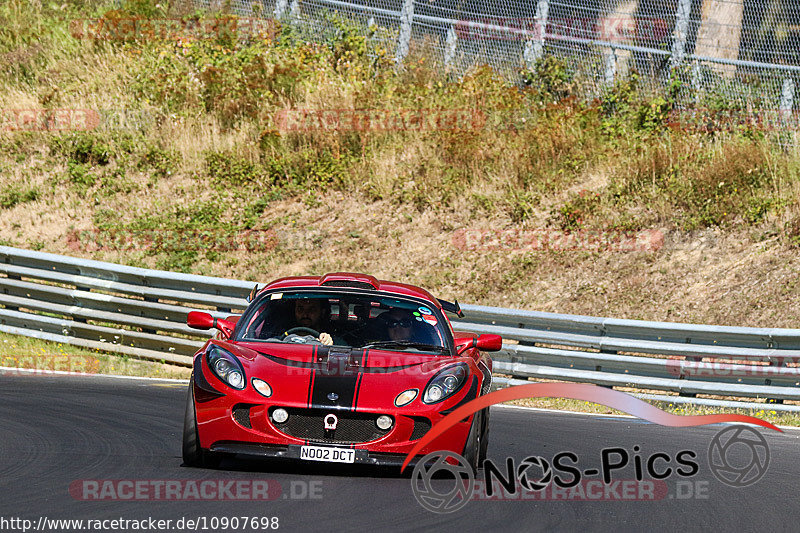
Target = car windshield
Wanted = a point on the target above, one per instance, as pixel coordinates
(350, 319)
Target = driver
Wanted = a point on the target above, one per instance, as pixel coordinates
(308, 313)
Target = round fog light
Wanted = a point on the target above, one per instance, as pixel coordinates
(384, 422)
(280, 416)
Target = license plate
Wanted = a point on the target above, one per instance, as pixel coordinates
(331, 455)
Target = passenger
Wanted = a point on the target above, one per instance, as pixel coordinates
(399, 324)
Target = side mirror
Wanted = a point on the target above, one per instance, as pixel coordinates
(485, 343)
(201, 320)
(490, 343)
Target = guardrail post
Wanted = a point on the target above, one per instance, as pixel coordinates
(534, 48)
(450, 48)
(149, 299)
(404, 39)
(18, 278)
(680, 32)
(696, 359)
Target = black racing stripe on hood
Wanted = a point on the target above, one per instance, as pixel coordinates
(323, 365)
(344, 386)
(358, 389)
(360, 377)
(310, 387)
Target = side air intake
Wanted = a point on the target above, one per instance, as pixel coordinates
(349, 279)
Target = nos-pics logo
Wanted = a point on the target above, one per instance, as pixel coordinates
(443, 481)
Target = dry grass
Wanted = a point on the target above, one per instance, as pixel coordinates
(390, 203)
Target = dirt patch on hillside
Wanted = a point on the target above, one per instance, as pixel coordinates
(707, 276)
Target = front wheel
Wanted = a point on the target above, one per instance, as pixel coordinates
(472, 448)
(193, 454)
(484, 439)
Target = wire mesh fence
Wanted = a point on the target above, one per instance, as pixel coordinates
(741, 55)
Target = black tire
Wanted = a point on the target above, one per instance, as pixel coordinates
(473, 444)
(193, 454)
(484, 439)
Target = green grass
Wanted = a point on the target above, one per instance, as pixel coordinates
(538, 153)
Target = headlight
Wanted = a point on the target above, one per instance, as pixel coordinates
(226, 367)
(406, 397)
(445, 383)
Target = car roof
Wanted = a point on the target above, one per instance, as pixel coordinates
(355, 280)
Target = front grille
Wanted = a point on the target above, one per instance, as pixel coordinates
(241, 413)
(351, 428)
(421, 426)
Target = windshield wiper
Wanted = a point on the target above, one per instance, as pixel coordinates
(405, 344)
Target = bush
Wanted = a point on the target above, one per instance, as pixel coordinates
(17, 195)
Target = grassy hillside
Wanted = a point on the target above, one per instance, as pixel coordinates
(178, 153)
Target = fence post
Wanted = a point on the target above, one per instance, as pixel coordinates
(696, 83)
(787, 98)
(534, 48)
(450, 48)
(280, 8)
(610, 71)
(294, 9)
(680, 32)
(406, 19)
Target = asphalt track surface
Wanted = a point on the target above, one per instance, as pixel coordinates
(56, 430)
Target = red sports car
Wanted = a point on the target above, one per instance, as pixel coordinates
(341, 368)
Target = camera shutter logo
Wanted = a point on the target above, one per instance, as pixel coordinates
(738, 456)
(541, 483)
(459, 483)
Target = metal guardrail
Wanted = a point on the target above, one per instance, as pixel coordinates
(142, 313)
